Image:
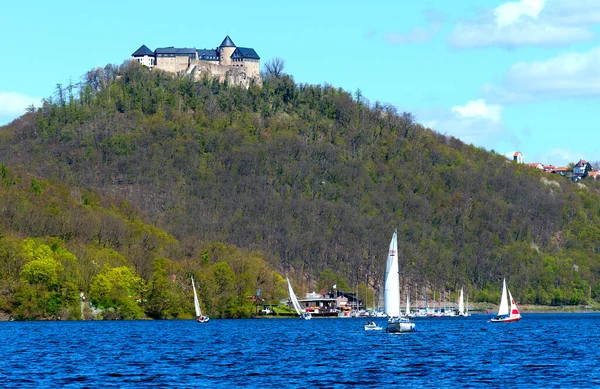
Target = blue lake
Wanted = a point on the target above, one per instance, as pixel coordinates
(541, 350)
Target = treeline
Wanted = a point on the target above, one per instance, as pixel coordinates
(317, 179)
(58, 241)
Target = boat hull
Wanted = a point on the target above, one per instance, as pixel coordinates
(395, 327)
(306, 316)
(505, 320)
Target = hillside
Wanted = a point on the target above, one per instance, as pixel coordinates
(57, 241)
(317, 180)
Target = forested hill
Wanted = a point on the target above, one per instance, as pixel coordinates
(317, 179)
(57, 241)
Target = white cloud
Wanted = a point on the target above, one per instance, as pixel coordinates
(530, 23)
(13, 104)
(571, 12)
(417, 35)
(474, 123)
(420, 34)
(479, 109)
(514, 35)
(571, 74)
(508, 13)
(562, 157)
(502, 95)
(567, 75)
(482, 131)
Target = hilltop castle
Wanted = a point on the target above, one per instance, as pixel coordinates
(236, 65)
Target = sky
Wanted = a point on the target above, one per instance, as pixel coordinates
(506, 76)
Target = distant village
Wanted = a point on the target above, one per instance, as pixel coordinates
(582, 169)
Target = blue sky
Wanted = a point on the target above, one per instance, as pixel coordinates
(507, 76)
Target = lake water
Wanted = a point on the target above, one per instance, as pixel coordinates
(541, 350)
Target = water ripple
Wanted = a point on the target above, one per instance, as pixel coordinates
(551, 351)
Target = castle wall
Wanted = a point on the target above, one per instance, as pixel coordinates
(172, 64)
(236, 75)
(252, 68)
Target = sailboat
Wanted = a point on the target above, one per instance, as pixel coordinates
(391, 292)
(461, 305)
(504, 314)
(371, 326)
(296, 304)
(199, 317)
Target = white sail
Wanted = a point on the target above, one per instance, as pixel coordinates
(293, 298)
(504, 315)
(407, 304)
(514, 311)
(503, 309)
(461, 303)
(196, 302)
(391, 292)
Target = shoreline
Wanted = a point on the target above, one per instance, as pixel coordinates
(529, 308)
(525, 309)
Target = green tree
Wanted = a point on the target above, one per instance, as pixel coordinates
(165, 298)
(327, 279)
(121, 289)
(222, 296)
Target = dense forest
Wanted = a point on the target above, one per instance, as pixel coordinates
(57, 241)
(303, 179)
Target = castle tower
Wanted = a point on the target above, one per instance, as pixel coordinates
(145, 56)
(225, 50)
(518, 157)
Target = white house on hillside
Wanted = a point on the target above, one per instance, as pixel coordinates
(518, 157)
(580, 166)
(536, 165)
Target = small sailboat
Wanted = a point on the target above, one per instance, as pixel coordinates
(391, 292)
(461, 305)
(296, 304)
(504, 314)
(199, 317)
(372, 326)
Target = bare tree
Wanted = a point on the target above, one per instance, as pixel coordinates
(274, 67)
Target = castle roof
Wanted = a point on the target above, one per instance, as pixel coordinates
(227, 42)
(175, 50)
(208, 55)
(245, 52)
(142, 51)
